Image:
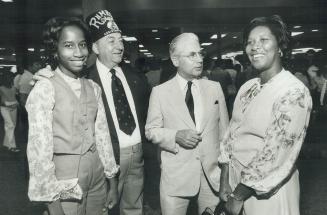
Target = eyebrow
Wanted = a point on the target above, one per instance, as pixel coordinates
(70, 41)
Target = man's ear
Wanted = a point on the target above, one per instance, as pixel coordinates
(95, 48)
(175, 61)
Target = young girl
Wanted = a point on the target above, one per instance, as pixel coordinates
(69, 149)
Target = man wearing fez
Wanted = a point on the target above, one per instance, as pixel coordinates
(125, 95)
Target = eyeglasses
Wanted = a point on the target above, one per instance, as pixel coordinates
(193, 55)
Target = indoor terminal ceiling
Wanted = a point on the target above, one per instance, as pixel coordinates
(154, 23)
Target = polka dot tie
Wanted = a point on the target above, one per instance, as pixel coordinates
(123, 111)
(189, 100)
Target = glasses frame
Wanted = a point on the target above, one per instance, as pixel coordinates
(193, 55)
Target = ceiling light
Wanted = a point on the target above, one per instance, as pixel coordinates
(231, 54)
(129, 39)
(295, 33)
(154, 30)
(31, 49)
(157, 38)
(144, 50)
(214, 58)
(7, 0)
(297, 26)
(150, 55)
(13, 54)
(42, 50)
(206, 44)
(2, 48)
(147, 53)
(215, 36)
(314, 30)
(141, 46)
(10, 65)
(127, 61)
(304, 50)
(235, 37)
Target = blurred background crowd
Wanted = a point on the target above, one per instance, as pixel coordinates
(147, 28)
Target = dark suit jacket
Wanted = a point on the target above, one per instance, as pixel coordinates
(140, 89)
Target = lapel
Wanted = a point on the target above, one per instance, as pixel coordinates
(94, 75)
(132, 84)
(177, 102)
(206, 104)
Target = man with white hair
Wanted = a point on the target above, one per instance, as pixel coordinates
(187, 118)
(125, 94)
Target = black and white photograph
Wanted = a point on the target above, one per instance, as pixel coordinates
(163, 107)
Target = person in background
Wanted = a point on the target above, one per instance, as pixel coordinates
(187, 119)
(299, 67)
(8, 108)
(17, 77)
(168, 70)
(154, 73)
(218, 74)
(267, 129)
(33, 65)
(69, 148)
(322, 110)
(208, 67)
(125, 93)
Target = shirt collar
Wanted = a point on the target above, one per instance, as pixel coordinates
(104, 69)
(66, 77)
(183, 82)
(276, 77)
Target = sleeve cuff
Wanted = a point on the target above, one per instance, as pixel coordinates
(112, 173)
(223, 159)
(69, 189)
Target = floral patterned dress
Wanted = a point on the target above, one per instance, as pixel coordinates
(263, 142)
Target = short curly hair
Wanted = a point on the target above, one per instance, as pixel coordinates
(51, 34)
(277, 27)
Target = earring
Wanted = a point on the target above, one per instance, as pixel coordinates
(280, 53)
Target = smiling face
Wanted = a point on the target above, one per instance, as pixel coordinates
(72, 50)
(110, 49)
(187, 58)
(262, 49)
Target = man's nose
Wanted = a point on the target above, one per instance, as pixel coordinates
(199, 57)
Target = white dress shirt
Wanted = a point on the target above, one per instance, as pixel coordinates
(196, 93)
(125, 140)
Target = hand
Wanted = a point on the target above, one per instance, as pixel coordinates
(55, 208)
(224, 190)
(188, 139)
(45, 72)
(112, 197)
(233, 206)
